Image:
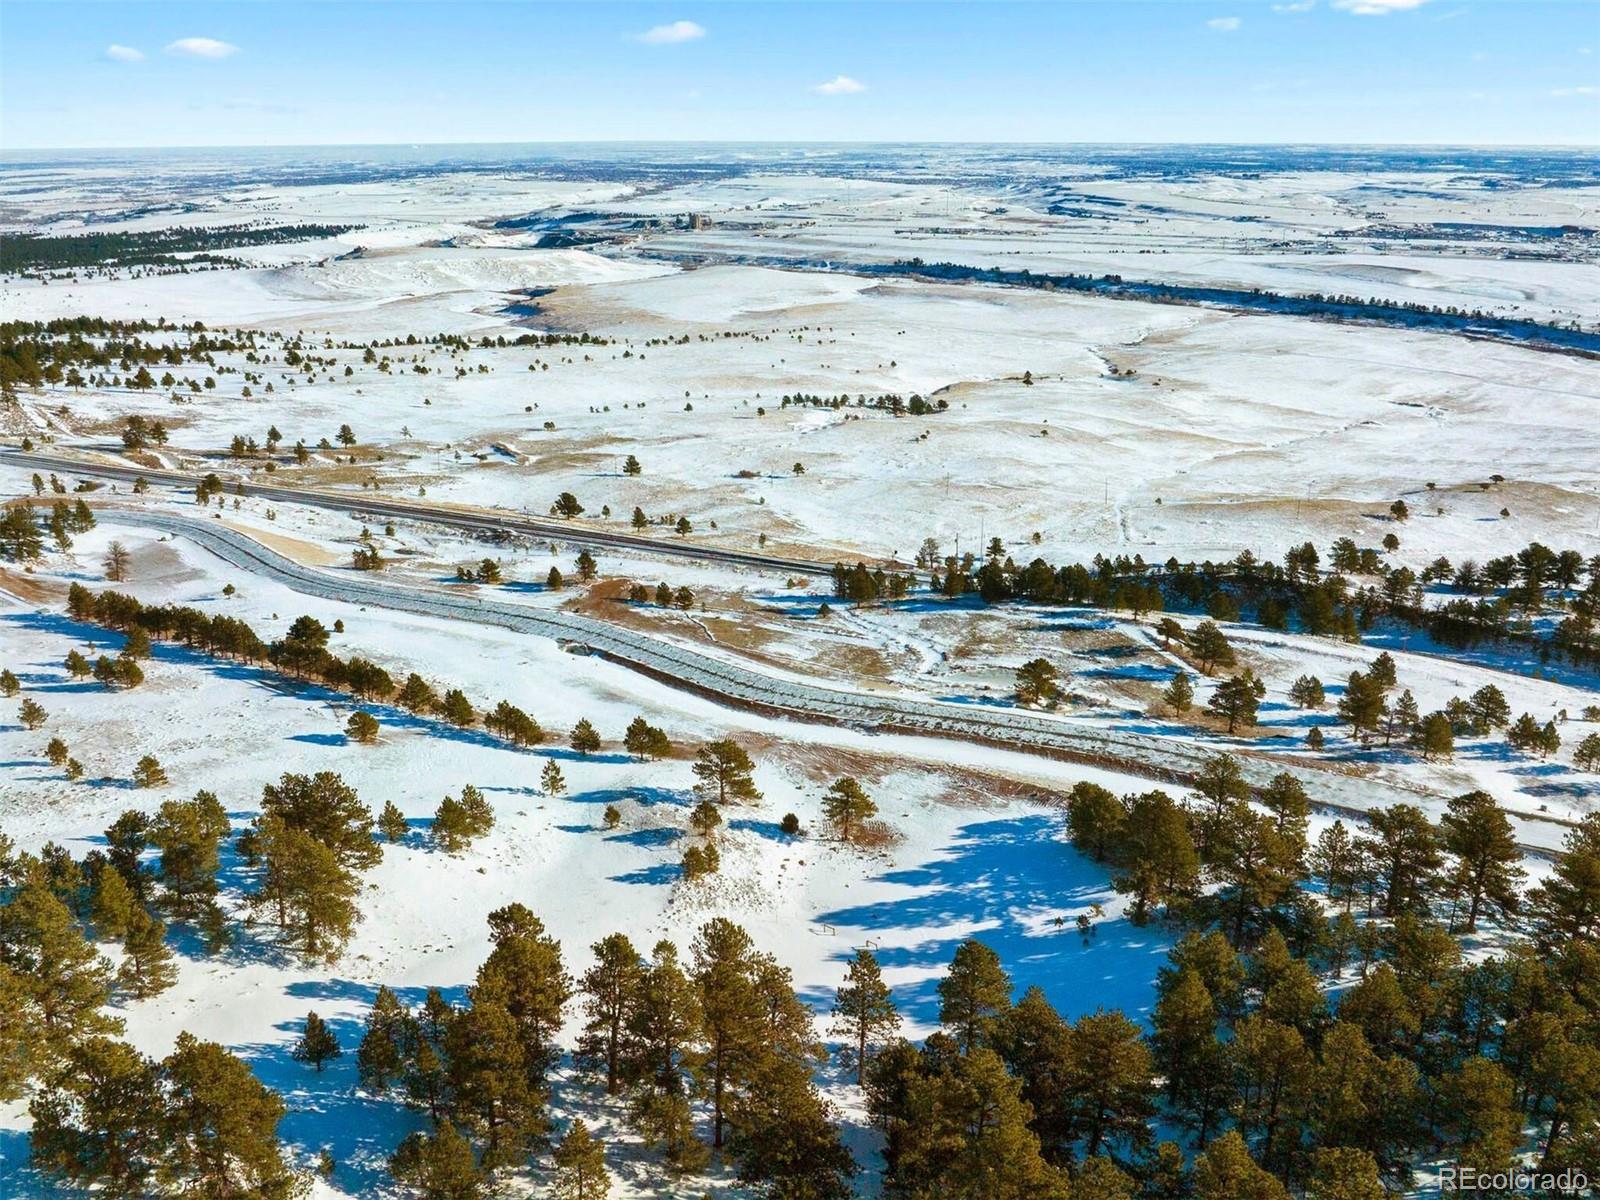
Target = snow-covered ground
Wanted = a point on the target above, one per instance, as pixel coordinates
(1073, 425)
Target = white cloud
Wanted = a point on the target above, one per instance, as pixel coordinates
(1224, 24)
(1581, 90)
(840, 85)
(1376, 8)
(671, 35)
(198, 47)
(1295, 6)
(118, 53)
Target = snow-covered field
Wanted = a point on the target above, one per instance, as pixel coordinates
(1073, 425)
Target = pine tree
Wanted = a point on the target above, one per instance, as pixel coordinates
(661, 1056)
(847, 805)
(456, 708)
(1195, 1064)
(1110, 1078)
(973, 995)
(318, 1045)
(326, 808)
(309, 892)
(551, 781)
(362, 727)
(1037, 683)
(32, 715)
(1210, 647)
(584, 738)
(1435, 738)
(189, 834)
(1156, 859)
(645, 741)
(1407, 852)
(1344, 1173)
(730, 1015)
(392, 822)
(65, 979)
(725, 772)
(1306, 692)
(1488, 862)
(221, 1128)
(525, 971)
(20, 1051)
(147, 968)
(610, 989)
(1179, 694)
(1094, 819)
(1362, 706)
(1237, 699)
(705, 818)
(864, 1014)
(440, 1167)
(389, 1040)
(488, 1075)
(98, 1121)
(581, 1166)
(1225, 1171)
(1566, 905)
(114, 905)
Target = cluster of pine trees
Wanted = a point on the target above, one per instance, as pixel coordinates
(1299, 593)
(717, 1040)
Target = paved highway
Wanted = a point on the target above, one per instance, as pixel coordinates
(1154, 756)
(474, 521)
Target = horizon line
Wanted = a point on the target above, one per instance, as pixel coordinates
(10, 151)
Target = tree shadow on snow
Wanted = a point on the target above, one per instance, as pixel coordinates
(1007, 881)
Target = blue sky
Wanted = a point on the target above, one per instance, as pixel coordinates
(1388, 71)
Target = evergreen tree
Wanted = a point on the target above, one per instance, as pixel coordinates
(1344, 1173)
(1362, 706)
(1179, 694)
(1156, 859)
(1488, 862)
(98, 1122)
(847, 805)
(362, 727)
(973, 995)
(1225, 1171)
(1037, 683)
(551, 781)
(581, 1166)
(147, 967)
(1406, 849)
(1094, 819)
(1110, 1078)
(1306, 692)
(610, 990)
(524, 972)
(584, 738)
(1195, 1065)
(1236, 700)
(114, 905)
(318, 1045)
(488, 1077)
(1210, 647)
(32, 715)
(439, 1167)
(864, 1014)
(220, 1131)
(311, 895)
(63, 977)
(705, 818)
(388, 1042)
(731, 1027)
(392, 822)
(645, 741)
(725, 772)
(327, 809)
(189, 834)
(1566, 905)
